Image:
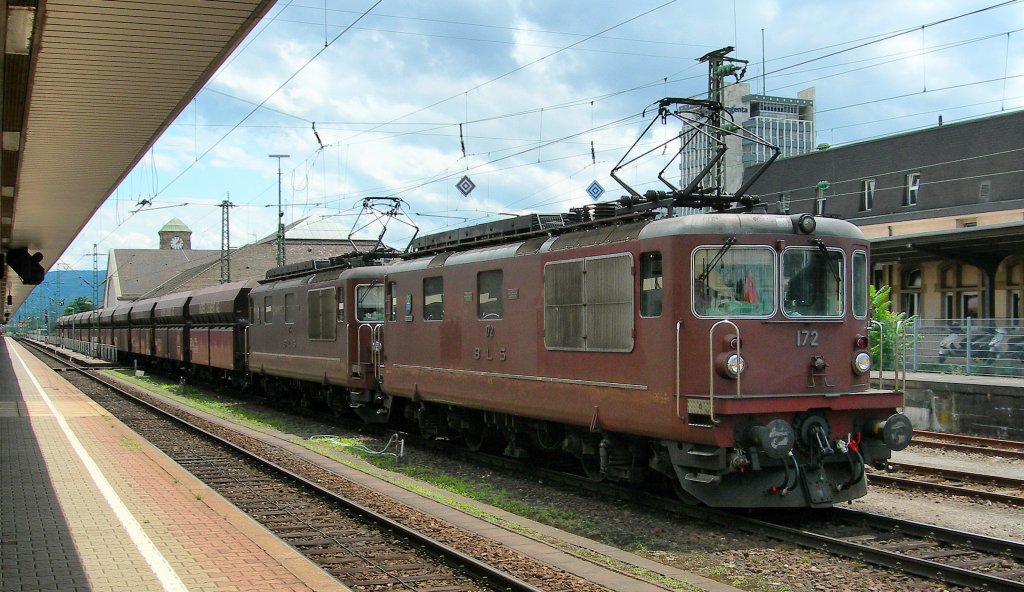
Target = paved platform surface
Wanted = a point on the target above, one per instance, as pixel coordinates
(87, 504)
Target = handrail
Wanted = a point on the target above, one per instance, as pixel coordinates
(374, 345)
(679, 395)
(899, 350)
(711, 365)
(881, 354)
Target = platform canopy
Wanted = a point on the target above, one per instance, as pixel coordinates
(88, 87)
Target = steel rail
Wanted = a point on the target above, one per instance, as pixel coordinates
(903, 482)
(964, 438)
(925, 568)
(503, 579)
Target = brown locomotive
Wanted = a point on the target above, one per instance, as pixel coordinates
(726, 353)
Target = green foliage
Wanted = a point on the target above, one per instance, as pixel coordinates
(80, 304)
(893, 325)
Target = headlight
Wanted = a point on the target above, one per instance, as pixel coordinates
(735, 365)
(862, 362)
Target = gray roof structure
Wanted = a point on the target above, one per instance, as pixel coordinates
(133, 273)
(250, 262)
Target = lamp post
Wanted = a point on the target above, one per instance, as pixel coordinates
(280, 212)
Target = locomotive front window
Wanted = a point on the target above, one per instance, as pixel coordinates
(733, 281)
(812, 282)
(370, 303)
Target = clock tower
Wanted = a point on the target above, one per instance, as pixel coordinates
(175, 235)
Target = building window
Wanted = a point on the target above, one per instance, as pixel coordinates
(489, 302)
(961, 297)
(783, 203)
(984, 190)
(867, 197)
(289, 309)
(650, 284)
(910, 297)
(913, 188)
(1014, 288)
(433, 298)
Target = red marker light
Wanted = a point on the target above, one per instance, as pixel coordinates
(862, 341)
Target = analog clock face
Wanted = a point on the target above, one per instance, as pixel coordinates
(177, 243)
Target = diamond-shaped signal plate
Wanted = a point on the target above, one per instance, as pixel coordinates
(465, 186)
(595, 191)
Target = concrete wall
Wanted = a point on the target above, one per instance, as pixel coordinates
(987, 410)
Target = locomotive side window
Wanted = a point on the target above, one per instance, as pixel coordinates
(490, 304)
(650, 284)
(433, 298)
(268, 309)
(341, 305)
(588, 304)
(812, 282)
(289, 309)
(320, 309)
(370, 303)
(392, 301)
(733, 281)
(860, 284)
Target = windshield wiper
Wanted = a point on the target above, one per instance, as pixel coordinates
(828, 260)
(729, 242)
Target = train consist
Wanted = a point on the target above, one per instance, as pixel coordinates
(724, 353)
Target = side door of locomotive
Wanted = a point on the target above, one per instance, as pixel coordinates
(364, 317)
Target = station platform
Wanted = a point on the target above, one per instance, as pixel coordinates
(87, 504)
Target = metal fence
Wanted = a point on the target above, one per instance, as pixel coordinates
(980, 347)
(87, 348)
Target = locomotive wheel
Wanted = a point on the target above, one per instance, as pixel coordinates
(477, 437)
(591, 464)
(684, 496)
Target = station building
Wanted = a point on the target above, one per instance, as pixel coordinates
(943, 207)
(134, 274)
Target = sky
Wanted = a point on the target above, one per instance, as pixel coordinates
(402, 98)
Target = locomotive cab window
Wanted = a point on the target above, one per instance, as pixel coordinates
(812, 282)
(650, 284)
(320, 309)
(489, 304)
(392, 299)
(341, 306)
(433, 298)
(289, 309)
(268, 309)
(860, 284)
(730, 281)
(370, 303)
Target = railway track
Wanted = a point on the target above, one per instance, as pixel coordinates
(361, 547)
(972, 444)
(928, 551)
(1007, 490)
(931, 552)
